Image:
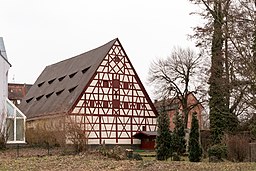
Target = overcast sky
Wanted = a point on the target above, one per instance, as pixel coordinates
(38, 33)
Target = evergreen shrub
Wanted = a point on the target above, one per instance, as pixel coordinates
(219, 151)
(194, 148)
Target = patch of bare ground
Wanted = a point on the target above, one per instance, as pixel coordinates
(37, 159)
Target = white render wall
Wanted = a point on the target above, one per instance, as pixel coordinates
(4, 67)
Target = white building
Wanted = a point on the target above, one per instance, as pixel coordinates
(12, 120)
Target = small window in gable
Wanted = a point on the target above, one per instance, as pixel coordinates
(72, 89)
(138, 106)
(105, 83)
(117, 59)
(59, 92)
(105, 104)
(29, 100)
(51, 81)
(40, 84)
(126, 105)
(49, 95)
(86, 69)
(116, 103)
(91, 104)
(61, 78)
(126, 85)
(39, 97)
(72, 75)
(116, 83)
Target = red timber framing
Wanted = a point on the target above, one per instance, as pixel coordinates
(114, 105)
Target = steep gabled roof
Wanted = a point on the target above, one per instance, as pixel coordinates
(60, 84)
(142, 134)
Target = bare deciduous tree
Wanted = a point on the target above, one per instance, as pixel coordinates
(177, 76)
(227, 37)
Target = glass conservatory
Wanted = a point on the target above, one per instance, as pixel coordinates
(15, 124)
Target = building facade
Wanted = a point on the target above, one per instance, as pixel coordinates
(174, 105)
(12, 120)
(98, 91)
(16, 92)
(4, 68)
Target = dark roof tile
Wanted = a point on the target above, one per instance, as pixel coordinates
(80, 68)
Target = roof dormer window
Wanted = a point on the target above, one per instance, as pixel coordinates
(39, 97)
(61, 78)
(40, 84)
(28, 100)
(59, 92)
(51, 81)
(49, 95)
(72, 75)
(72, 89)
(86, 69)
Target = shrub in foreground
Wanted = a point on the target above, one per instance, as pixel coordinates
(217, 152)
(237, 147)
(2, 142)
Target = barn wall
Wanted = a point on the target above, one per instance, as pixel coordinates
(114, 106)
(49, 129)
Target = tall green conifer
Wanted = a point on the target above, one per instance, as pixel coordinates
(178, 138)
(163, 139)
(194, 148)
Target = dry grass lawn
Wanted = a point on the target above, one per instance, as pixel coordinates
(37, 159)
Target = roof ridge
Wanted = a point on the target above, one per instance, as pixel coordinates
(114, 40)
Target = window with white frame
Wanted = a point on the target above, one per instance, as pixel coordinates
(15, 124)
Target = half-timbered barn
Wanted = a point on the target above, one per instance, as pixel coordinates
(99, 91)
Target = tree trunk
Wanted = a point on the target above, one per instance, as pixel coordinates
(217, 105)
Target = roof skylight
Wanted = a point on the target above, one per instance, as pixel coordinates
(86, 69)
(40, 84)
(72, 75)
(39, 97)
(28, 100)
(59, 92)
(51, 81)
(61, 78)
(72, 89)
(49, 95)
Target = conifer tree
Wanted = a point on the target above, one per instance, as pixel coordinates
(179, 142)
(194, 148)
(163, 139)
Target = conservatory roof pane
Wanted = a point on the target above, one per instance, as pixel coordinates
(10, 110)
(18, 114)
(15, 123)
